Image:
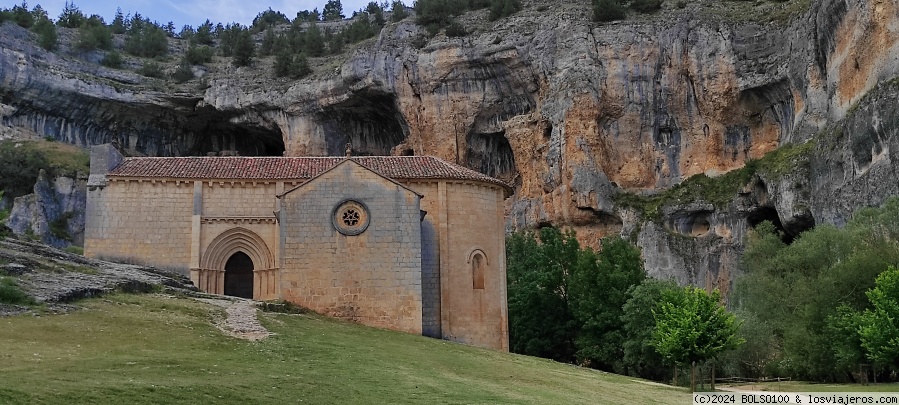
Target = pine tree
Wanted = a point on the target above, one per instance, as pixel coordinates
(47, 36)
(244, 49)
(398, 11)
(71, 16)
(333, 11)
(118, 22)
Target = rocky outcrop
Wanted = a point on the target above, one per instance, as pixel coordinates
(570, 111)
(54, 213)
(52, 276)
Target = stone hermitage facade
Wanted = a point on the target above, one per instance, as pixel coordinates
(410, 243)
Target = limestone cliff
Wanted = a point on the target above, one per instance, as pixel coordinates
(572, 112)
(54, 213)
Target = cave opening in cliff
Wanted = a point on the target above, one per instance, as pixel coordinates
(769, 214)
(370, 121)
(490, 154)
(222, 137)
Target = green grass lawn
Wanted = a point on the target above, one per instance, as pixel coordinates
(158, 349)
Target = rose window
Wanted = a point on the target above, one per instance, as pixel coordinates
(350, 217)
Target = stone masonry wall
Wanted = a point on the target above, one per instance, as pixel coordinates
(468, 217)
(373, 278)
(474, 316)
(143, 221)
(238, 199)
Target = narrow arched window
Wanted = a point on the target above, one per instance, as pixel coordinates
(477, 271)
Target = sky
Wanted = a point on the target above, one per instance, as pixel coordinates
(190, 12)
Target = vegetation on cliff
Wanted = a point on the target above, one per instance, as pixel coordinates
(720, 190)
(800, 302)
(20, 163)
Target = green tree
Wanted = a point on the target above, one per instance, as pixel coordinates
(71, 16)
(608, 10)
(398, 11)
(244, 49)
(314, 42)
(797, 290)
(299, 67)
(540, 319)
(203, 36)
(692, 327)
(267, 19)
(22, 16)
(268, 43)
(333, 11)
(281, 66)
(145, 39)
(599, 290)
(47, 36)
(879, 327)
(94, 34)
(640, 357)
(118, 22)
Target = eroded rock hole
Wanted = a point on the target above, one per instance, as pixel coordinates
(694, 224)
(769, 214)
(369, 121)
(490, 154)
(242, 140)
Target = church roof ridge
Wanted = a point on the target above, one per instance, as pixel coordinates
(277, 168)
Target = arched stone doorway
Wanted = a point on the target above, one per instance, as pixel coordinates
(237, 262)
(239, 276)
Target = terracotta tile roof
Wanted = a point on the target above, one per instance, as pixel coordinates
(276, 168)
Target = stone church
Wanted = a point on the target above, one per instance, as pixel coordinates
(410, 243)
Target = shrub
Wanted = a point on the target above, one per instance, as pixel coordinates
(94, 36)
(503, 8)
(183, 73)
(456, 30)
(19, 169)
(608, 10)
(112, 59)
(11, 294)
(151, 69)
(59, 227)
(198, 55)
(646, 6)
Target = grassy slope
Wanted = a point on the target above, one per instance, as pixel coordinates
(153, 349)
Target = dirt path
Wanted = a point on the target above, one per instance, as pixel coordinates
(241, 321)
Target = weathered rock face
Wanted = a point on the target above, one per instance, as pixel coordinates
(54, 214)
(570, 111)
